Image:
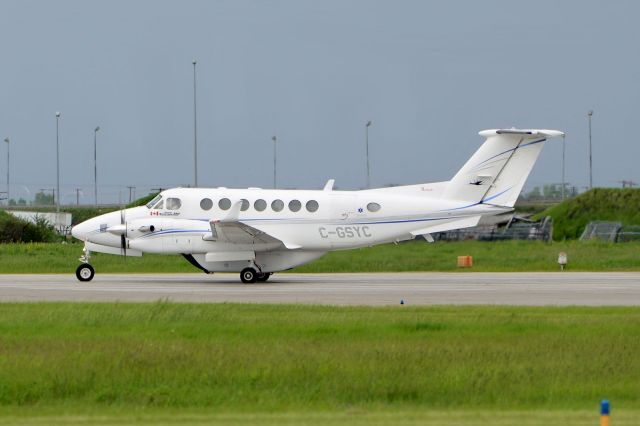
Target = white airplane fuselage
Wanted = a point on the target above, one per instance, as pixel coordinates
(341, 221)
(230, 230)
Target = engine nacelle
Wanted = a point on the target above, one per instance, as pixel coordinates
(166, 235)
(139, 227)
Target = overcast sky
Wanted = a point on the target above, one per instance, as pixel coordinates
(429, 75)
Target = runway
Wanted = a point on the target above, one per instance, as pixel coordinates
(590, 289)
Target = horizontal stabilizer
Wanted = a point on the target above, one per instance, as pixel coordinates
(533, 132)
(467, 222)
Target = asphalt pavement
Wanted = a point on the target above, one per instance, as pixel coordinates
(531, 289)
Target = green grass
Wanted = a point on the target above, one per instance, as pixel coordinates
(41, 258)
(412, 256)
(571, 216)
(313, 365)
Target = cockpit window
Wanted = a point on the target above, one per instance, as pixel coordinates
(159, 205)
(155, 200)
(173, 203)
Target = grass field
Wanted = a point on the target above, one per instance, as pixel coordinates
(411, 256)
(278, 364)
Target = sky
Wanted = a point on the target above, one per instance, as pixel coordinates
(428, 74)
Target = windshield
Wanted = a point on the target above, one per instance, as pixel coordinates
(154, 201)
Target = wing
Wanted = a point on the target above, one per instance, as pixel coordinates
(238, 232)
(231, 230)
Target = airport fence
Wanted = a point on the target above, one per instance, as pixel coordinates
(610, 231)
(514, 230)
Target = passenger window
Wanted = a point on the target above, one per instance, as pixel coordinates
(173, 203)
(245, 205)
(277, 205)
(373, 207)
(206, 204)
(260, 205)
(312, 205)
(159, 206)
(224, 204)
(294, 205)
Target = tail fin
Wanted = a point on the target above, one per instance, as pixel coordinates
(497, 171)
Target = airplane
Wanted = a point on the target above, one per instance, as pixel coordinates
(261, 231)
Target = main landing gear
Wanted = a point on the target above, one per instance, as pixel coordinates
(250, 276)
(85, 271)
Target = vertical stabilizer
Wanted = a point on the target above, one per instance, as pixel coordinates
(497, 171)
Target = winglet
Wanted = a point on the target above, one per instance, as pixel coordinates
(234, 212)
(329, 185)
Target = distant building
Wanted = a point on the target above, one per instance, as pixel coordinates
(60, 221)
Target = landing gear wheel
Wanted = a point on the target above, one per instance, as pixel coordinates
(248, 276)
(85, 272)
(264, 276)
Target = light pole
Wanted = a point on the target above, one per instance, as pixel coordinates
(563, 150)
(195, 132)
(95, 164)
(57, 161)
(590, 114)
(274, 139)
(8, 195)
(131, 188)
(367, 146)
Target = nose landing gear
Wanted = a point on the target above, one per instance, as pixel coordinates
(85, 271)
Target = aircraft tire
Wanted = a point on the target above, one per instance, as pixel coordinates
(262, 277)
(85, 272)
(248, 276)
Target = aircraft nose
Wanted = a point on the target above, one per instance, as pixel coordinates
(80, 231)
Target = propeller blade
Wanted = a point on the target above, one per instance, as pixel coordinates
(123, 236)
(123, 245)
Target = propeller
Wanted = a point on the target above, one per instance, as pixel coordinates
(123, 236)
